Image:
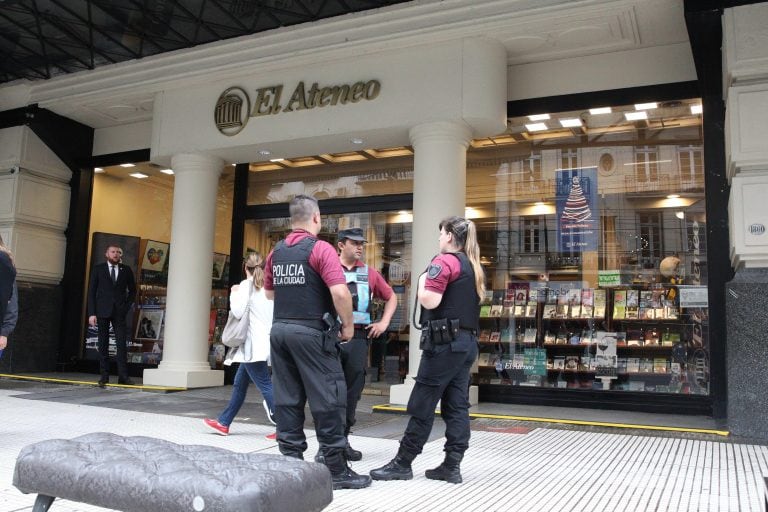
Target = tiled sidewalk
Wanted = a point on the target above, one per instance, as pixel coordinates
(506, 469)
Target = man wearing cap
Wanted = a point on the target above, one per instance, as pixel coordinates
(364, 284)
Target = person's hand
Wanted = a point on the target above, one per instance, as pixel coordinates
(3, 342)
(235, 287)
(346, 332)
(377, 329)
(92, 320)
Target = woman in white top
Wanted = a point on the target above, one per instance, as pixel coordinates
(253, 355)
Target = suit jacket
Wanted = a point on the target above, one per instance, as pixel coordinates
(103, 295)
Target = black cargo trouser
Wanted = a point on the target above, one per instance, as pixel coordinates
(303, 370)
(354, 358)
(443, 376)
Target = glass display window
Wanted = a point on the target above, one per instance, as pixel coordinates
(592, 228)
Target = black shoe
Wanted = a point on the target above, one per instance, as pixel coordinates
(126, 381)
(348, 479)
(352, 454)
(449, 470)
(396, 469)
(103, 382)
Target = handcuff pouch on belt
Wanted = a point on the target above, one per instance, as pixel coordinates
(331, 334)
(438, 332)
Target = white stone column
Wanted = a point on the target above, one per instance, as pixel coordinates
(439, 190)
(185, 350)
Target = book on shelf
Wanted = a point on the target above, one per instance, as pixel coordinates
(660, 365)
(530, 310)
(599, 312)
(550, 363)
(496, 311)
(558, 363)
(668, 339)
(621, 365)
(587, 297)
(659, 313)
(634, 337)
(671, 312)
(586, 363)
(549, 337)
(551, 296)
(561, 338)
(530, 335)
(599, 297)
(550, 311)
(646, 313)
(636, 385)
(574, 338)
(651, 337)
(633, 365)
(495, 337)
(508, 311)
(519, 310)
(506, 336)
(562, 311)
(574, 296)
(483, 359)
(519, 291)
(633, 313)
(533, 296)
(633, 298)
(586, 311)
(485, 311)
(484, 336)
(657, 296)
(621, 339)
(646, 365)
(619, 304)
(645, 299)
(562, 297)
(572, 363)
(574, 311)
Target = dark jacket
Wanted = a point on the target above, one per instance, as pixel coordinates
(8, 322)
(7, 280)
(103, 295)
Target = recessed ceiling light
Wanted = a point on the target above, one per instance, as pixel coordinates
(680, 215)
(356, 140)
(265, 152)
(166, 171)
(536, 127)
(98, 169)
(636, 116)
(696, 109)
(139, 175)
(539, 117)
(673, 196)
(276, 159)
(127, 165)
(570, 123)
(601, 110)
(645, 106)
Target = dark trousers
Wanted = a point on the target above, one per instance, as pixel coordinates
(120, 328)
(443, 376)
(354, 358)
(303, 370)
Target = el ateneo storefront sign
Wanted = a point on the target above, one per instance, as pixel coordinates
(234, 107)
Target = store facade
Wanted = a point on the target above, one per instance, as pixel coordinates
(603, 233)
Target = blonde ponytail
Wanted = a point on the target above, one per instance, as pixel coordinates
(465, 239)
(254, 263)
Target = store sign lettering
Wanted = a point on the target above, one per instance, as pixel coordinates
(234, 107)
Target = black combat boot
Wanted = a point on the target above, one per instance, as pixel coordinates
(398, 468)
(342, 475)
(352, 454)
(448, 470)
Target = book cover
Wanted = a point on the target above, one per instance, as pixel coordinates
(496, 310)
(646, 313)
(571, 363)
(634, 337)
(495, 337)
(550, 311)
(646, 365)
(660, 365)
(549, 337)
(533, 295)
(633, 312)
(586, 311)
(645, 299)
(561, 338)
(520, 292)
(484, 336)
(562, 311)
(519, 310)
(619, 304)
(658, 313)
(668, 339)
(651, 337)
(587, 297)
(599, 312)
(633, 298)
(599, 297)
(483, 359)
(636, 385)
(485, 311)
(530, 335)
(574, 338)
(562, 297)
(621, 339)
(657, 296)
(633, 365)
(551, 296)
(550, 363)
(621, 365)
(506, 336)
(530, 310)
(508, 312)
(574, 311)
(574, 296)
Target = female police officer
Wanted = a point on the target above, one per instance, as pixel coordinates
(449, 293)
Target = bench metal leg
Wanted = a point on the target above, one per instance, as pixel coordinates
(43, 503)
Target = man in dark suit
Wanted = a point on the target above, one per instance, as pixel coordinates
(110, 296)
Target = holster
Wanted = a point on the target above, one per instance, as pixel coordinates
(438, 332)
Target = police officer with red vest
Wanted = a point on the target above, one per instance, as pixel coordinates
(449, 293)
(364, 284)
(304, 278)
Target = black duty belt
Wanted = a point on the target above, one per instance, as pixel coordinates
(473, 332)
(312, 324)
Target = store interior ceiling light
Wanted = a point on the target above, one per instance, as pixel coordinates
(127, 165)
(570, 123)
(600, 110)
(636, 116)
(139, 175)
(539, 117)
(536, 127)
(696, 109)
(98, 169)
(265, 152)
(166, 171)
(680, 215)
(673, 196)
(646, 106)
(276, 159)
(356, 140)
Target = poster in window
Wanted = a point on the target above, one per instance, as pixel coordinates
(219, 262)
(578, 218)
(149, 324)
(155, 254)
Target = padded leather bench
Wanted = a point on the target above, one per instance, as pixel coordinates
(142, 474)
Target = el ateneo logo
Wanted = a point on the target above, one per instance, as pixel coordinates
(234, 108)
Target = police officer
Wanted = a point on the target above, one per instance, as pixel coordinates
(305, 280)
(449, 293)
(364, 283)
